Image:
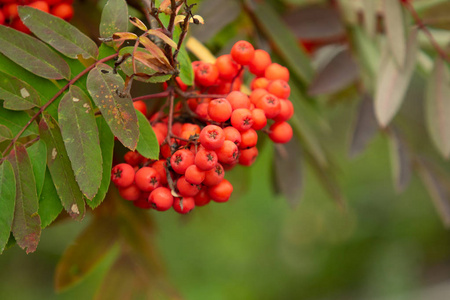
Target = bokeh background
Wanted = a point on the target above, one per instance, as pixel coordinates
(381, 245)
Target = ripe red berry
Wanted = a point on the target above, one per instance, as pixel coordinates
(242, 119)
(10, 11)
(276, 71)
(122, 175)
(260, 62)
(228, 153)
(219, 110)
(187, 189)
(194, 175)
(221, 192)
(232, 134)
(206, 74)
(227, 67)
(238, 100)
(41, 5)
(259, 119)
(142, 202)
(160, 167)
(140, 106)
(249, 138)
(259, 83)
(2, 18)
(184, 205)
(161, 199)
(214, 176)
(181, 160)
(212, 137)
(202, 198)
(147, 179)
(279, 88)
(130, 193)
(205, 159)
(63, 11)
(242, 52)
(280, 132)
(248, 156)
(256, 94)
(18, 25)
(202, 111)
(286, 111)
(270, 104)
(133, 158)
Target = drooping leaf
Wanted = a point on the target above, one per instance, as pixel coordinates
(288, 170)
(107, 146)
(127, 65)
(5, 133)
(61, 169)
(114, 18)
(18, 94)
(138, 23)
(124, 36)
(32, 54)
(49, 203)
(154, 50)
(393, 81)
(38, 157)
(80, 135)
(163, 37)
(148, 144)
(151, 62)
(186, 71)
(118, 111)
(340, 71)
(7, 203)
(287, 45)
(395, 31)
(60, 34)
(26, 225)
(437, 107)
(88, 250)
(365, 127)
(400, 161)
(16, 120)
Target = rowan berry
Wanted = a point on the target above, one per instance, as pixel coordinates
(221, 192)
(249, 138)
(162, 127)
(187, 189)
(122, 175)
(140, 106)
(232, 134)
(160, 167)
(270, 104)
(261, 60)
(142, 202)
(202, 110)
(20, 26)
(2, 18)
(63, 11)
(219, 110)
(194, 175)
(206, 159)
(10, 11)
(161, 199)
(279, 88)
(286, 111)
(214, 176)
(228, 153)
(248, 156)
(212, 137)
(259, 119)
(202, 198)
(147, 179)
(184, 205)
(280, 132)
(256, 94)
(131, 192)
(242, 119)
(259, 83)
(238, 100)
(242, 52)
(181, 160)
(41, 5)
(206, 74)
(159, 135)
(133, 158)
(227, 67)
(276, 71)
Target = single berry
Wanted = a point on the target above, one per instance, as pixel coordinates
(280, 132)
(242, 119)
(276, 71)
(147, 179)
(187, 189)
(214, 176)
(160, 167)
(184, 205)
(261, 60)
(202, 198)
(259, 119)
(279, 88)
(259, 83)
(238, 100)
(140, 106)
(130, 193)
(232, 134)
(248, 156)
(228, 153)
(219, 110)
(63, 11)
(227, 67)
(270, 104)
(206, 74)
(257, 94)
(286, 111)
(181, 160)
(122, 175)
(249, 139)
(212, 137)
(242, 52)
(221, 192)
(194, 175)
(205, 159)
(161, 199)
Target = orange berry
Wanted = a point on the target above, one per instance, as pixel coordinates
(280, 132)
(279, 88)
(227, 67)
(221, 192)
(242, 52)
(260, 62)
(238, 100)
(275, 71)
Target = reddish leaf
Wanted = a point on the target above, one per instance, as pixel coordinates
(32, 54)
(18, 94)
(26, 226)
(154, 50)
(61, 168)
(138, 23)
(118, 111)
(124, 36)
(7, 203)
(151, 62)
(395, 30)
(162, 36)
(400, 161)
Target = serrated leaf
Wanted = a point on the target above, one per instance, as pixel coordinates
(61, 169)
(18, 94)
(114, 18)
(287, 44)
(148, 144)
(288, 170)
(364, 128)
(395, 30)
(7, 203)
(163, 37)
(32, 54)
(5, 133)
(138, 23)
(338, 73)
(186, 71)
(60, 34)
(393, 81)
(107, 146)
(26, 226)
(437, 107)
(49, 203)
(400, 161)
(87, 251)
(38, 157)
(16, 120)
(118, 111)
(80, 135)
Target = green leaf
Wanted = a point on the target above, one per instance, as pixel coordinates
(114, 18)
(285, 41)
(118, 111)
(107, 145)
(395, 30)
(38, 157)
(393, 81)
(400, 161)
(148, 144)
(104, 51)
(437, 107)
(186, 71)
(60, 168)
(16, 120)
(8, 197)
(49, 203)
(26, 225)
(5, 133)
(32, 54)
(80, 135)
(60, 34)
(87, 251)
(18, 94)
(370, 17)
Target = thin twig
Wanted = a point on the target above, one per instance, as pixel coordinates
(152, 96)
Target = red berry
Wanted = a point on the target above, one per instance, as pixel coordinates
(259, 119)
(256, 94)
(184, 205)
(142, 202)
(214, 176)
(10, 11)
(232, 134)
(275, 71)
(259, 83)
(161, 199)
(227, 67)
(194, 175)
(147, 179)
(63, 11)
(280, 132)
(122, 175)
(133, 158)
(221, 192)
(228, 153)
(205, 159)
(140, 106)
(18, 25)
(187, 189)
(160, 167)
(206, 74)
(248, 156)
(202, 198)
(242, 119)
(41, 5)
(181, 160)
(242, 52)
(270, 104)
(212, 137)
(238, 100)
(261, 60)
(130, 193)
(286, 111)
(249, 139)
(279, 88)
(219, 110)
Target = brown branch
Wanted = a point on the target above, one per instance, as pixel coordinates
(152, 96)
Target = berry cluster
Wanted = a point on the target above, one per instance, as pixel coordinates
(9, 14)
(209, 134)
